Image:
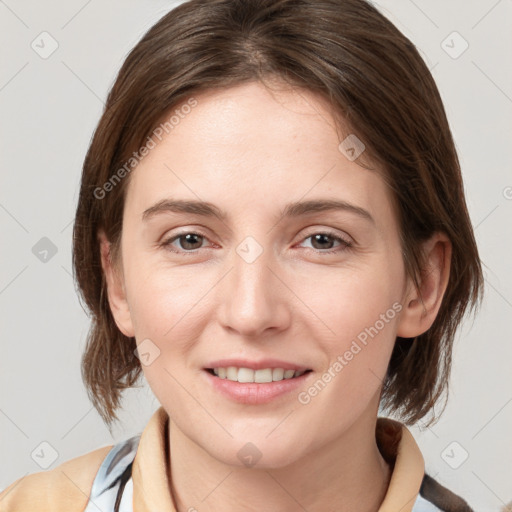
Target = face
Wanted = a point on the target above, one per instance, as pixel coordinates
(272, 279)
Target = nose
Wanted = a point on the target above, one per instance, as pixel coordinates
(253, 299)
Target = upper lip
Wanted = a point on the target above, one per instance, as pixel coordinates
(256, 365)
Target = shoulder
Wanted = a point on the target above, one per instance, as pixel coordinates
(64, 488)
(434, 497)
(398, 447)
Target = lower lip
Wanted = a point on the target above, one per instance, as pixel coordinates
(255, 393)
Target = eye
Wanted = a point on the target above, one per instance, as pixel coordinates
(323, 240)
(189, 242)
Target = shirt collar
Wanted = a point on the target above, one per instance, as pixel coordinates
(150, 472)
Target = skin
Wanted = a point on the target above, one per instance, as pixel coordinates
(250, 151)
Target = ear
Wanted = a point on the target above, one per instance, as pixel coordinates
(420, 309)
(115, 288)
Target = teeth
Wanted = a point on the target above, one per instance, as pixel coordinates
(277, 374)
(259, 376)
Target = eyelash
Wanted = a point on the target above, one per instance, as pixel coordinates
(345, 244)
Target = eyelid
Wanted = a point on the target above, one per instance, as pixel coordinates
(330, 232)
(166, 241)
(310, 232)
(346, 242)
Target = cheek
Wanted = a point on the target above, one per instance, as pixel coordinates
(354, 323)
(168, 306)
(358, 357)
(346, 301)
(166, 323)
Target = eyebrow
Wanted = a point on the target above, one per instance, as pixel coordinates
(291, 210)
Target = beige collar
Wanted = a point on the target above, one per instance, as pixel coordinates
(150, 468)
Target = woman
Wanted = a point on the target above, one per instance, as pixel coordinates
(272, 229)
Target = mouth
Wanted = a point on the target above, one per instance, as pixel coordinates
(260, 386)
(260, 376)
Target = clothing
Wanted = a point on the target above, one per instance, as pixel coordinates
(135, 471)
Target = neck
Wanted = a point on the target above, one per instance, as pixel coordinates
(347, 473)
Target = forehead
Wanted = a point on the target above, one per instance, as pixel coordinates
(255, 112)
(251, 146)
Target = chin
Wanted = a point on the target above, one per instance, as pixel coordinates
(263, 454)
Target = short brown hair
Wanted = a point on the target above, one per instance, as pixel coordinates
(377, 84)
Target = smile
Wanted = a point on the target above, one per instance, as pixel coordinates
(263, 375)
(255, 387)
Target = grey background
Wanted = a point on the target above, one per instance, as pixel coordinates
(49, 109)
